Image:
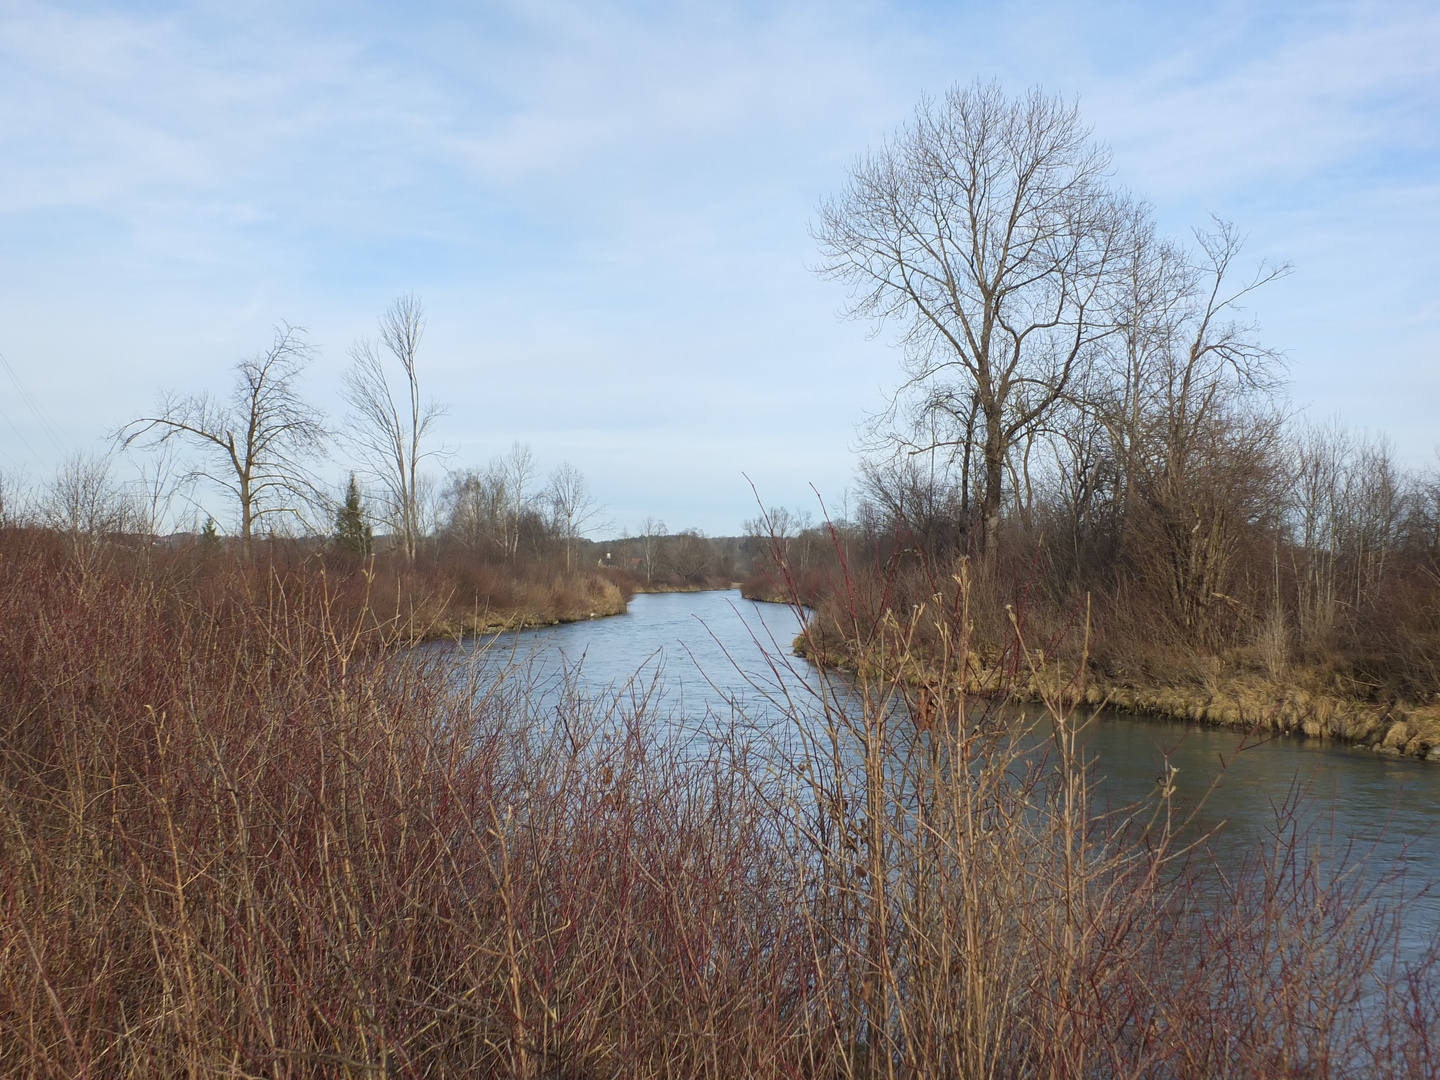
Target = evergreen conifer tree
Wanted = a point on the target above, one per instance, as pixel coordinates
(352, 531)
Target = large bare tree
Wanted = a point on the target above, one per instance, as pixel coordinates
(984, 228)
(258, 443)
(389, 428)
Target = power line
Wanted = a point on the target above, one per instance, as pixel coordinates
(19, 435)
(42, 418)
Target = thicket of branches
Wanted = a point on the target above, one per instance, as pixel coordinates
(1297, 550)
(241, 837)
(1088, 406)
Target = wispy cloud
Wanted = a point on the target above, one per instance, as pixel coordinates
(1355, 89)
(609, 200)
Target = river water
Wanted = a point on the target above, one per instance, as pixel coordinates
(709, 657)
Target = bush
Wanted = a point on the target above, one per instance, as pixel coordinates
(243, 835)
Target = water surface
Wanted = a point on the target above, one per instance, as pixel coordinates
(703, 657)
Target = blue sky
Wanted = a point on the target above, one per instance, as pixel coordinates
(605, 208)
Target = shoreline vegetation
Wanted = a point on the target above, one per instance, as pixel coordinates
(1369, 678)
(1234, 695)
(576, 598)
(572, 597)
(530, 599)
(1096, 424)
(1245, 700)
(245, 832)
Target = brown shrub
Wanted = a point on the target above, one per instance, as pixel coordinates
(240, 835)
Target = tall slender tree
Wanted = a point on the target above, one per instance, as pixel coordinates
(573, 509)
(388, 428)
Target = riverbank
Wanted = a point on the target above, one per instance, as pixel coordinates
(659, 588)
(1295, 704)
(1255, 702)
(568, 599)
(241, 835)
(765, 589)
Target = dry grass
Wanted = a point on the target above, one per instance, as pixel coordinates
(240, 838)
(449, 593)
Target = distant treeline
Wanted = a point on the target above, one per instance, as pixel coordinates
(465, 547)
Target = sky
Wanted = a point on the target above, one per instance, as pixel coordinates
(606, 209)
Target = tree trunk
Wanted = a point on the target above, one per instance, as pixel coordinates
(247, 521)
(994, 479)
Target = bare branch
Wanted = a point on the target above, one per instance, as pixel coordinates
(986, 231)
(258, 446)
(386, 429)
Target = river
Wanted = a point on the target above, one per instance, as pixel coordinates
(708, 656)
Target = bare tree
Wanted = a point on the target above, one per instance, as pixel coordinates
(1350, 506)
(985, 229)
(572, 508)
(84, 499)
(1366, 513)
(258, 444)
(429, 504)
(161, 481)
(784, 534)
(689, 556)
(652, 540)
(1079, 484)
(389, 429)
(1193, 423)
(915, 501)
(771, 531)
(519, 470)
(87, 506)
(499, 507)
(777, 523)
(477, 509)
(1320, 455)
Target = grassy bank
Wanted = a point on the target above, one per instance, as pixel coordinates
(1032, 646)
(243, 835)
(1226, 696)
(660, 587)
(633, 582)
(444, 593)
(518, 605)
